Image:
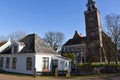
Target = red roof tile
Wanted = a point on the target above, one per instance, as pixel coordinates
(2, 43)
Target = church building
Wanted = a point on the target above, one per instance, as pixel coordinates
(92, 43)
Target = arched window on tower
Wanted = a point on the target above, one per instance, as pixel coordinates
(89, 8)
(93, 7)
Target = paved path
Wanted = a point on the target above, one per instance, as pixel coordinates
(19, 77)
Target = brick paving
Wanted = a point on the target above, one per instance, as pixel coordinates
(22, 77)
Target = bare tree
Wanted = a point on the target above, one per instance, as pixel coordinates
(109, 48)
(3, 38)
(13, 36)
(54, 39)
(17, 35)
(113, 30)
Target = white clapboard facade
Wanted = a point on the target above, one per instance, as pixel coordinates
(30, 55)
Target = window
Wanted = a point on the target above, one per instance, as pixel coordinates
(69, 64)
(7, 62)
(77, 54)
(68, 49)
(29, 63)
(14, 61)
(92, 34)
(15, 49)
(82, 57)
(66, 64)
(82, 47)
(78, 47)
(72, 48)
(45, 62)
(1, 61)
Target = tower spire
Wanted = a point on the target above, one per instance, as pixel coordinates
(91, 5)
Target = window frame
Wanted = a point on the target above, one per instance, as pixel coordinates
(1, 61)
(29, 63)
(8, 62)
(14, 62)
(46, 63)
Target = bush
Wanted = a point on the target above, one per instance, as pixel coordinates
(86, 68)
(97, 68)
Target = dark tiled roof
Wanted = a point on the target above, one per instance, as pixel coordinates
(34, 44)
(29, 44)
(104, 34)
(42, 47)
(77, 39)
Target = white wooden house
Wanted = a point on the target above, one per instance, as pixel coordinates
(29, 55)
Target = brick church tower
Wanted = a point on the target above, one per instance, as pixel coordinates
(93, 32)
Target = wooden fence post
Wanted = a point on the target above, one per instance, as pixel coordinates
(35, 72)
(67, 73)
(56, 72)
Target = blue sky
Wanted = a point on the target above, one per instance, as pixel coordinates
(41, 16)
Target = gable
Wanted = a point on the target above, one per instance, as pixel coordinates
(77, 39)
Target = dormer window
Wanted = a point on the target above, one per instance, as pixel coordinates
(15, 49)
